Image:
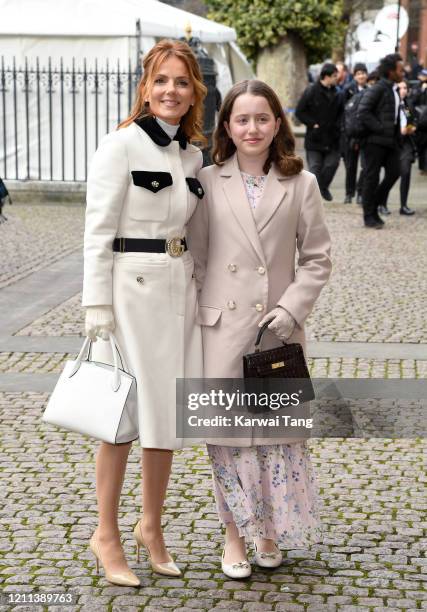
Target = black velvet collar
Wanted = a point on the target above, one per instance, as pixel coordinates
(158, 135)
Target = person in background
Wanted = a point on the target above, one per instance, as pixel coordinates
(413, 61)
(344, 76)
(320, 109)
(373, 77)
(409, 148)
(379, 112)
(419, 100)
(351, 145)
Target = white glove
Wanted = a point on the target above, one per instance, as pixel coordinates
(282, 323)
(99, 322)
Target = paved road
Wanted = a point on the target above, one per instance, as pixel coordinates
(369, 323)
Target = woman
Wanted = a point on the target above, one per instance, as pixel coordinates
(260, 207)
(408, 152)
(142, 190)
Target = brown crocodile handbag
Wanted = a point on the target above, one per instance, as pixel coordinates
(286, 361)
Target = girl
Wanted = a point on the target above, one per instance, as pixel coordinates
(260, 208)
(142, 189)
(408, 152)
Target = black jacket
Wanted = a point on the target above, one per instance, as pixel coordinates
(377, 112)
(323, 106)
(350, 90)
(418, 95)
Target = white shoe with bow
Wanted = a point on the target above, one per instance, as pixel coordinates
(267, 559)
(241, 569)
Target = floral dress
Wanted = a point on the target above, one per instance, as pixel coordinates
(267, 491)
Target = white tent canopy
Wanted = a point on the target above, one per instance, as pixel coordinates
(77, 30)
(105, 18)
(107, 29)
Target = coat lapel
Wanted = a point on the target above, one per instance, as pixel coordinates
(273, 194)
(238, 201)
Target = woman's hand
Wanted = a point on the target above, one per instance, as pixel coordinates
(408, 129)
(99, 322)
(282, 323)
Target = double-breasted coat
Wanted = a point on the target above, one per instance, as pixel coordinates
(245, 264)
(143, 185)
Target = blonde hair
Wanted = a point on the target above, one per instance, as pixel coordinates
(192, 121)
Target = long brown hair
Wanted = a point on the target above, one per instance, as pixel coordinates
(192, 121)
(282, 149)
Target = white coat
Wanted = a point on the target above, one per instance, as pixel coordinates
(142, 185)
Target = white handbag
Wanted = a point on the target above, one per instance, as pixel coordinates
(95, 399)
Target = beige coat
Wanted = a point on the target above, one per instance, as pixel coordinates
(245, 263)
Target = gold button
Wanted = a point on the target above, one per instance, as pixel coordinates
(261, 270)
(231, 304)
(232, 267)
(155, 184)
(259, 307)
(140, 279)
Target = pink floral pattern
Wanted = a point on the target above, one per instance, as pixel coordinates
(268, 491)
(254, 186)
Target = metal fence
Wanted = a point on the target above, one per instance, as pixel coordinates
(53, 116)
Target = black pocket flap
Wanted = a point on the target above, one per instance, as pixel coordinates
(195, 187)
(154, 181)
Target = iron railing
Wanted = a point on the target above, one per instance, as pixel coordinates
(52, 117)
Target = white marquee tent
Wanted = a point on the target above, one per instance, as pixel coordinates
(93, 29)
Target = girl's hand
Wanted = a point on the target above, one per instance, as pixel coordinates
(282, 323)
(99, 322)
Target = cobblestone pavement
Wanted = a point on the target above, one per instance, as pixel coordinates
(373, 491)
(373, 505)
(43, 363)
(375, 294)
(67, 319)
(35, 236)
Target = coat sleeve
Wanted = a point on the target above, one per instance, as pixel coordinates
(314, 262)
(366, 109)
(198, 236)
(302, 111)
(106, 187)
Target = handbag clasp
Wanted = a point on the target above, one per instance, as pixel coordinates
(278, 364)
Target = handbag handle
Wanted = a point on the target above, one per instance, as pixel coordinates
(115, 383)
(260, 333)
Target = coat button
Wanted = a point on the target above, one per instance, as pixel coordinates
(231, 305)
(261, 270)
(259, 307)
(200, 190)
(140, 279)
(155, 184)
(232, 267)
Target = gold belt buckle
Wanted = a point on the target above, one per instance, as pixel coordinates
(174, 247)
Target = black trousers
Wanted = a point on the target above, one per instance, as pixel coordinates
(374, 193)
(422, 158)
(323, 164)
(352, 153)
(407, 158)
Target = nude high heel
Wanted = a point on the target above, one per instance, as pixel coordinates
(121, 578)
(168, 568)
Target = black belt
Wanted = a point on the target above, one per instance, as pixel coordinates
(175, 247)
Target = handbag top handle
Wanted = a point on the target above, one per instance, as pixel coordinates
(260, 333)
